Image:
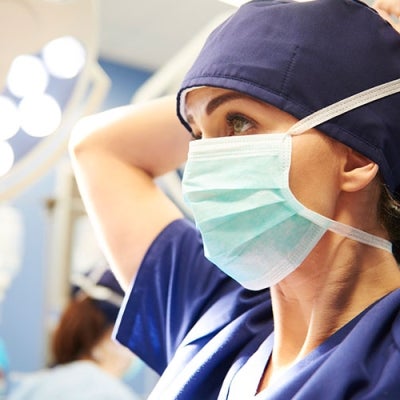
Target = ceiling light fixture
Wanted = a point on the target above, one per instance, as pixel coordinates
(49, 77)
(238, 3)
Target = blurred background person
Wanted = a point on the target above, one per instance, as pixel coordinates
(3, 370)
(87, 362)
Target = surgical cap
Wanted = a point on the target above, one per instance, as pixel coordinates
(304, 56)
(100, 285)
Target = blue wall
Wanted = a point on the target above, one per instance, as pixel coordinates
(22, 319)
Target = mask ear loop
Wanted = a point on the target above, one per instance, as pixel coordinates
(343, 106)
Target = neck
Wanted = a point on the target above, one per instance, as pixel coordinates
(326, 292)
(111, 356)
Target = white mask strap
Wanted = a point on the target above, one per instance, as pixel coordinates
(339, 108)
(345, 105)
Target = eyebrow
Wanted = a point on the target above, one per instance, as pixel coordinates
(220, 100)
(223, 98)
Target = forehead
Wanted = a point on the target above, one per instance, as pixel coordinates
(208, 99)
(205, 94)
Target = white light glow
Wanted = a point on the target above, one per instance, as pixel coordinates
(9, 119)
(6, 158)
(39, 115)
(235, 3)
(238, 3)
(64, 57)
(27, 76)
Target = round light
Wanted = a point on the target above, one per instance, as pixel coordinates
(9, 119)
(27, 76)
(39, 115)
(6, 158)
(64, 57)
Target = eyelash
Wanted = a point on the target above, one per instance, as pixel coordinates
(232, 117)
(230, 122)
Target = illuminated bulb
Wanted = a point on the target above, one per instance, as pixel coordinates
(238, 3)
(27, 76)
(39, 115)
(9, 119)
(64, 57)
(6, 158)
(235, 3)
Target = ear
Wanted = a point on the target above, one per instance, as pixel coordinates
(358, 171)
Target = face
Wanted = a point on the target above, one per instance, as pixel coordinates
(316, 159)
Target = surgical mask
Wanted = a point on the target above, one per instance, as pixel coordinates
(253, 228)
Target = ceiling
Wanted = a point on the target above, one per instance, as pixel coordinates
(147, 33)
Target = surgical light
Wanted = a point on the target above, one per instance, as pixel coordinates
(40, 115)
(238, 3)
(27, 75)
(49, 77)
(235, 3)
(64, 57)
(6, 157)
(9, 118)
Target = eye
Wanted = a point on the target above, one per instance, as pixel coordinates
(238, 124)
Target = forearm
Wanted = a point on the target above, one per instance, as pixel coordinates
(115, 156)
(148, 136)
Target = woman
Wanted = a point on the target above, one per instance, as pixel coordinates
(298, 216)
(87, 363)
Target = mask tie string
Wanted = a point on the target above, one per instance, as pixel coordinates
(341, 107)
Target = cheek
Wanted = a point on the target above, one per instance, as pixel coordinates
(314, 174)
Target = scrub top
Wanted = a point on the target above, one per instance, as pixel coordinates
(209, 338)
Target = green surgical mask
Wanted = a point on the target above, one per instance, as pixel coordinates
(252, 226)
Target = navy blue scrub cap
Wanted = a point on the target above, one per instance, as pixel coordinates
(102, 287)
(304, 56)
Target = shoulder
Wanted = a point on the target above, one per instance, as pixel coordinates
(177, 254)
(395, 327)
(378, 333)
(381, 321)
(179, 233)
(180, 296)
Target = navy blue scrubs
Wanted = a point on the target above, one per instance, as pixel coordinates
(207, 336)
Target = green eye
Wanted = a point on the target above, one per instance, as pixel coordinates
(238, 124)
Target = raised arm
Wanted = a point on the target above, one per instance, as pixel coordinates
(115, 156)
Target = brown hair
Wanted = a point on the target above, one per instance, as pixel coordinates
(81, 327)
(389, 214)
